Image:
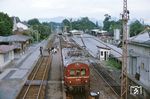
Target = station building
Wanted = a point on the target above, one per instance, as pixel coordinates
(21, 42)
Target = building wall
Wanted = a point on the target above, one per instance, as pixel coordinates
(139, 63)
(1, 60)
(140, 49)
(6, 59)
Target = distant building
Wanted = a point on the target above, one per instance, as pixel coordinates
(139, 60)
(18, 26)
(97, 32)
(76, 32)
(6, 55)
(103, 35)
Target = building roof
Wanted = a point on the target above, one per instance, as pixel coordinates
(92, 42)
(103, 47)
(99, 31)
(74, 31)
(6, 48)
(14, 38)
(142, 38)
(21, 25)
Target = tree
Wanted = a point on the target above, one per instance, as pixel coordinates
(66, 22)
(34, 22)
(83, 24)
(6, 24)
(43, 29)
(97, 24)
(106, 22)
(136, 27)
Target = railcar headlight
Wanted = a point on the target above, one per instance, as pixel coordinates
(70, 82)
(86, 81)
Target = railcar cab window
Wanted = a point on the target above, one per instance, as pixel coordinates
(83, 71)
(72, 72)
(78, 72)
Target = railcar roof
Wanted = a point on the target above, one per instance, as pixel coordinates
(72, 59)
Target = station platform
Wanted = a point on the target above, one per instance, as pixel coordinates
(14, 77)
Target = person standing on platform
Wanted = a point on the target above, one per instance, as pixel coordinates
(41, 51)
(48, 51)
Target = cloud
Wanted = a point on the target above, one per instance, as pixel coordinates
(27, 9)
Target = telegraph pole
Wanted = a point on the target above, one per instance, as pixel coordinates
(124, 78)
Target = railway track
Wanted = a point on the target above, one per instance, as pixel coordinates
(35, 86)
(115, 87)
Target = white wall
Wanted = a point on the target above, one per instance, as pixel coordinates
(2, 63)
(116, 34)
(102, 57)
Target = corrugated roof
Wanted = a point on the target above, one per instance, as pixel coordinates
(141, 38)
(14, 38)
(92, 42)
(6, 48)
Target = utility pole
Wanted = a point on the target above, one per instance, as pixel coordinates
(51, 28)
(124, 78)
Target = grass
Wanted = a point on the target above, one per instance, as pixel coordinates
(113, 63)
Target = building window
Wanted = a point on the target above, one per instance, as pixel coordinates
(101, 53)
(142, 65)
(6, 57)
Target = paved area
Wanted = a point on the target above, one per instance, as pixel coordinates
(14, 77)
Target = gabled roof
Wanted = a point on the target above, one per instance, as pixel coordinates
(142, 38)
(6, 48)
(107, 48)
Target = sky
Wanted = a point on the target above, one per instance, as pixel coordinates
(27, 9)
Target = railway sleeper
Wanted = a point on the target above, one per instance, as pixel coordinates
(36, 82)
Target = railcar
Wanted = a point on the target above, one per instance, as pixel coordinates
(76, 69)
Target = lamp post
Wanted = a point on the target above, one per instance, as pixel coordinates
(71, 24)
